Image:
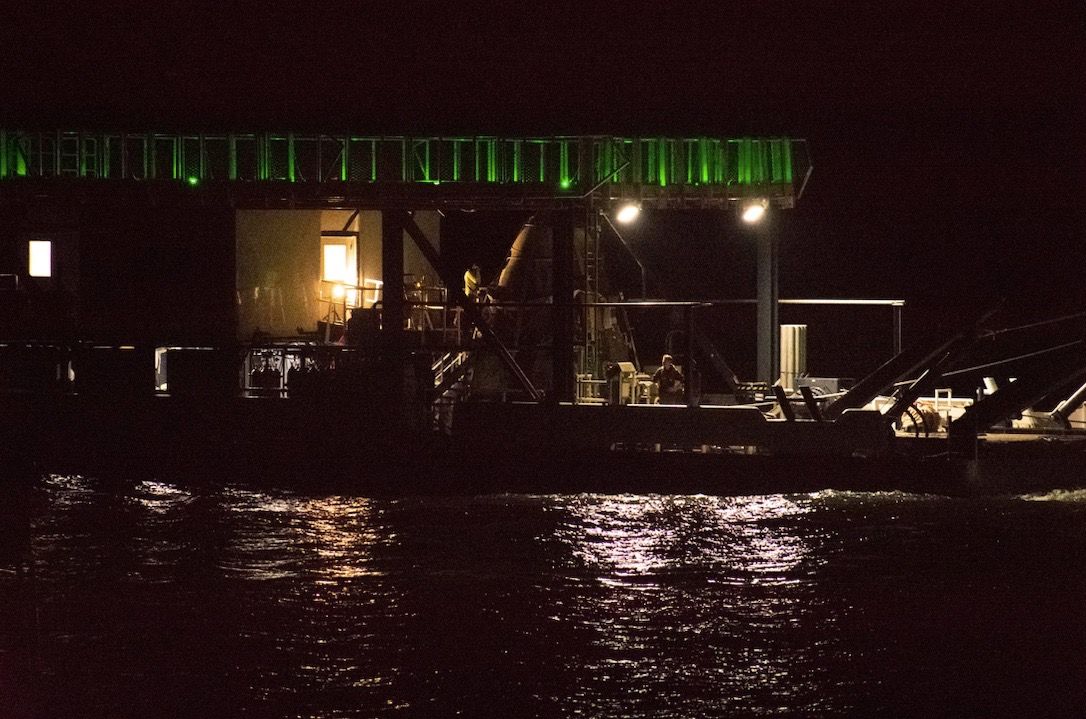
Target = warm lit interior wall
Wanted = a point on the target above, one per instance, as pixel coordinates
(278, 270)
(279, 263)
(369, 249)
(414, 263)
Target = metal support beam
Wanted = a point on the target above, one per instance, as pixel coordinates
(769, 325)
(905, 364)
(897, 309)
(1069, 365)
(923, 384)
(811, 402)
(562, 355)
(471, 310)
(693, 384)
(392, 303)
(784, 403)
(629, 250)
(704, 344)
(1066, 408)
(1013, 398)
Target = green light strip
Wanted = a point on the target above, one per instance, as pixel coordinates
(661, 170)
(658, 161)
(290, 160)
(563, 164)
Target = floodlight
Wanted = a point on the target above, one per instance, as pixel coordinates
(628, 213)
(753, 211)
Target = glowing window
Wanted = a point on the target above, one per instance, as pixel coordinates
(335, 263)
(41, 258)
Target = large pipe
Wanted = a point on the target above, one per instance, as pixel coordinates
(527, 274)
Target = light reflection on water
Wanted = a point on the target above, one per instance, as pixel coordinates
(630, 536)
(145, 598)
(730, 573)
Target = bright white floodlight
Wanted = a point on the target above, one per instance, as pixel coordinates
(754, 212)
(628, 213)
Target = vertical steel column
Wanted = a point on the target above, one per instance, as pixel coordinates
(232, 169)
(562, 357)
(693, 385)
(152, 163)
(263, 156)
(769, 332)
(897, 329)
(144, 151)
(103, 157)
(392, 304)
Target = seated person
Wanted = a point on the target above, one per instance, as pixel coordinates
(669, 381)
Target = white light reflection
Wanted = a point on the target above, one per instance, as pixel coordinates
(159, 497)
(697, 590)
(743, 539)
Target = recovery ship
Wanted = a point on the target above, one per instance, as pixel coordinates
(293, 306)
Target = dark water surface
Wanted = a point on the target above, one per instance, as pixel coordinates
(128, 598)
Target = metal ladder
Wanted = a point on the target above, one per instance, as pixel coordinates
(590, 355)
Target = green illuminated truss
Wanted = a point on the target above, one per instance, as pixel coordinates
(562, 165)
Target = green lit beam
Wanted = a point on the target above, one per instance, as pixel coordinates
(563, 162)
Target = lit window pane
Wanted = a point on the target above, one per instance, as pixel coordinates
(335, 263)
(41, 258)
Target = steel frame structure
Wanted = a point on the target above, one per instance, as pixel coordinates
(656, 171)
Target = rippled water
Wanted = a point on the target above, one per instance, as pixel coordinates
(127, 598)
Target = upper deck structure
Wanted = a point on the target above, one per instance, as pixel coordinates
(151, 237)
(269, 168)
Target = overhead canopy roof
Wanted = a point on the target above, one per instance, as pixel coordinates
(657, 171)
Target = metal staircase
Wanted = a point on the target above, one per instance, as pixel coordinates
(452, 373)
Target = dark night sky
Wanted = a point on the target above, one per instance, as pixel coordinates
(947, 138)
